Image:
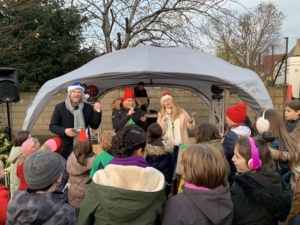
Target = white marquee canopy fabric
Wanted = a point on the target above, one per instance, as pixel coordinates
(157, 66)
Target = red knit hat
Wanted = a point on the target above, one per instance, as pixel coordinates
(58, 142)
(237, 113)
(128, 93)
(82, 137)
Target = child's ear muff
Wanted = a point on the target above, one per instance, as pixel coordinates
(254, 163)
(262, 125)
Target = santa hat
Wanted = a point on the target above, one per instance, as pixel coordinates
(54, 144)
(82, 137)
(29, 146)
(165, 96)
(128, 93)
(237, 113)
(78, 85)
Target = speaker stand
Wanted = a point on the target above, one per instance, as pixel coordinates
(8, 128)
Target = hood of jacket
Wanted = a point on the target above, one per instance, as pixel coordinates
(75, 169)
(15, 152)
(267, 190)
(242, 131)
(218, 199)
(27, 206)
(159, 147)
(117, 104)
(128, 191)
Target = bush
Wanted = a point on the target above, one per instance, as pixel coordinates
(5, 145)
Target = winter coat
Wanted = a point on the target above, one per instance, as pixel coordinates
(217, 144)
(200, 207)
(100, 162)
(65, 175)
(62, 119)
(4, 199)
(184, 126)
(295, 209)
(159, 157)
(27, 207)
(78, 177)
(259, 198)
(229, 142)
(291, 124)
(120, 117)
(13, 158)
(124, 195)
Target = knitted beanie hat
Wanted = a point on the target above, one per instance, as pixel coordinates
(41, 169)
(29, 146)
(128, 93)
(78, 85)
(165, 96)
(237, 113)
(59, 144)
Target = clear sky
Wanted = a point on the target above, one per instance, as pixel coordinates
(291, 9)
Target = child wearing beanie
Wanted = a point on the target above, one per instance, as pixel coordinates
(102, 160)
(4, 196)
(40, 203)
(55, 145)
(235, 117)
(79, 165)
(29, 146)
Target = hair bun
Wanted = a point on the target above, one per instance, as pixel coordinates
(268, 136)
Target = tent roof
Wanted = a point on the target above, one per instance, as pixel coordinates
(158, 66)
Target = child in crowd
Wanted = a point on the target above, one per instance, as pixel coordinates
(127, 191)
(40, 204)
(235, 116)
(159, 153)
(102, 160)
(258, 194)
(55, 145)
(291, 112)
(29, 146)
(4, 196)
(206, 197)
(13, 158)
(79, 165)
(270, 120)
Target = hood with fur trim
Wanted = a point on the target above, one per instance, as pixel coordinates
(156, 148)
(118, 101)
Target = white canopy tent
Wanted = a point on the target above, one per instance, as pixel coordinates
(157, 66)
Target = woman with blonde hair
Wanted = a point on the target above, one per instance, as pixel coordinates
(206, 197)
(175, 123)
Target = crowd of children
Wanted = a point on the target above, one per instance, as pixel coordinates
(248, 176)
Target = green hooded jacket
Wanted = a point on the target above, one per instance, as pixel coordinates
(127, 195)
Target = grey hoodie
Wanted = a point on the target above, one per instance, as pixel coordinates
(13, 158)
(27, 207)
(200, 207)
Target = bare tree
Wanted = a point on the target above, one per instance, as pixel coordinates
(244, 39)
(117, 24)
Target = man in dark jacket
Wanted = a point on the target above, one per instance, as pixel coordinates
(140, 91)
(72, 114)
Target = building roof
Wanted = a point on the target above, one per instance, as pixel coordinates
(267, 62)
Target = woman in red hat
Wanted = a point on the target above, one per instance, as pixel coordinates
(127, 111)
(175, 123)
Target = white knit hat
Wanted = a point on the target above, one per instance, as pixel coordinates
(165, 96)
(77, 85)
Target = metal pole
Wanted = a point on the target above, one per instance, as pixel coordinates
(8, 129)
(273, 66)
(286, 59)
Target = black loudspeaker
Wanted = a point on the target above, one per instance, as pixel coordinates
(9, 85)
